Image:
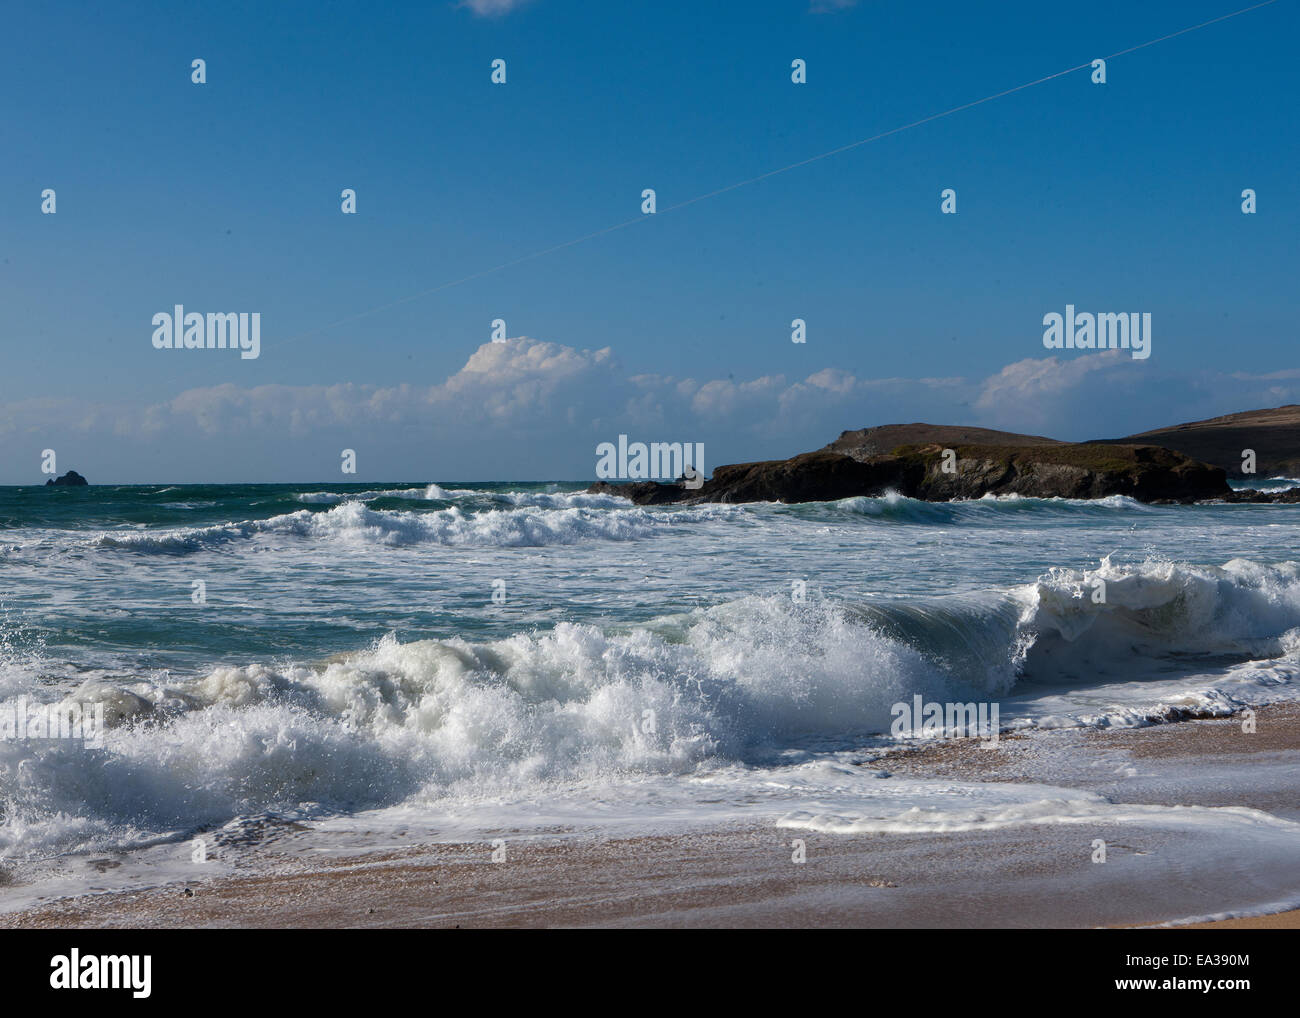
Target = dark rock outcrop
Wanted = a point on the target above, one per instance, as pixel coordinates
(1046, 470)
(1184, 463)
(810, 477)
(646, 492)
(1144, 472)
(1254, 495)
(71, 479)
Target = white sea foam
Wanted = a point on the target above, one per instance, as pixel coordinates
(561, 500)
(1154, 609)
(437, 493)
(895, 508)
(743, 683)
(953, 808)
(352, 522)
(448, 718)
(334, 497)
(1278, 483)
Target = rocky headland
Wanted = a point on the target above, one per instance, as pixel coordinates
(942, 462)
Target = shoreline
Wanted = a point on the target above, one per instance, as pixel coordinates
(742, 875)
(1270, 921)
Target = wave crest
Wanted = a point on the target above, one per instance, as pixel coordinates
(353, 522)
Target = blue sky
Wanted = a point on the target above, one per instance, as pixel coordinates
(225, 197)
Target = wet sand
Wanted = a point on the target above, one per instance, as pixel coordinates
(745, 876)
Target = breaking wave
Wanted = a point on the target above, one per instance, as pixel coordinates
(739, 683)
(352, 522)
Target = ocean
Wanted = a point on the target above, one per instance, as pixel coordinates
(360, 663)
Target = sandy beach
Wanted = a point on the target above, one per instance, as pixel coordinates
(744, 876)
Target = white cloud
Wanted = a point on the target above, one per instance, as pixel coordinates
(493, 8)
(725, 397)
(1028, 395)
(531, 408)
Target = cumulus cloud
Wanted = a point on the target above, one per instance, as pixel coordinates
(1028, 381)
(529, 408)
(493, 8)
(1032, 393)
